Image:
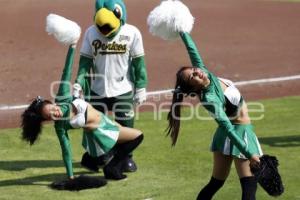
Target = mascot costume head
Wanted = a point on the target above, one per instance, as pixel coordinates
(110, 16)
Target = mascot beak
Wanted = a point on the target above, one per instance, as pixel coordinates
(107, 22)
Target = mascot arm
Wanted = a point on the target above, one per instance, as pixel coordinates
(83, 78)
(139, 72)
(192, 51)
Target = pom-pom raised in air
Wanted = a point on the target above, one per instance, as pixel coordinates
(64, 30)
(169, 19)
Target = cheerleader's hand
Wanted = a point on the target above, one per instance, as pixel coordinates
(254, 161)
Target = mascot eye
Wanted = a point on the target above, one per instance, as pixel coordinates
(118, 11)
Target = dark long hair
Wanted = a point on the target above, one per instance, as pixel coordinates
(182, 89)
(31, 120)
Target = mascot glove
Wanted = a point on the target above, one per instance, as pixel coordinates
(140, 95)
(77, 90)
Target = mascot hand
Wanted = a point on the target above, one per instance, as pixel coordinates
(77, 91)
(140, 95)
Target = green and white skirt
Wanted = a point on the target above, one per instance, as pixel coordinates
(102, 139)
(222, 143)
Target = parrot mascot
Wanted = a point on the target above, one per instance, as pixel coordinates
(112, 70)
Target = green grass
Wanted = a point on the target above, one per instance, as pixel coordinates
(164, 172)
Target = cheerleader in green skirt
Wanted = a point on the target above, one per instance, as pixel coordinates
(71, 111)
(234, 139)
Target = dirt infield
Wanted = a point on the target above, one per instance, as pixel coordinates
(239, 40)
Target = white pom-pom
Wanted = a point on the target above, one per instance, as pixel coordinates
(64, 30)
(169, 19)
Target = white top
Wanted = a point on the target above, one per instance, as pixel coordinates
(231, 92)
(112, 58)
(78, 121)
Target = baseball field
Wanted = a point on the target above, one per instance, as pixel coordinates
(255, 43)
